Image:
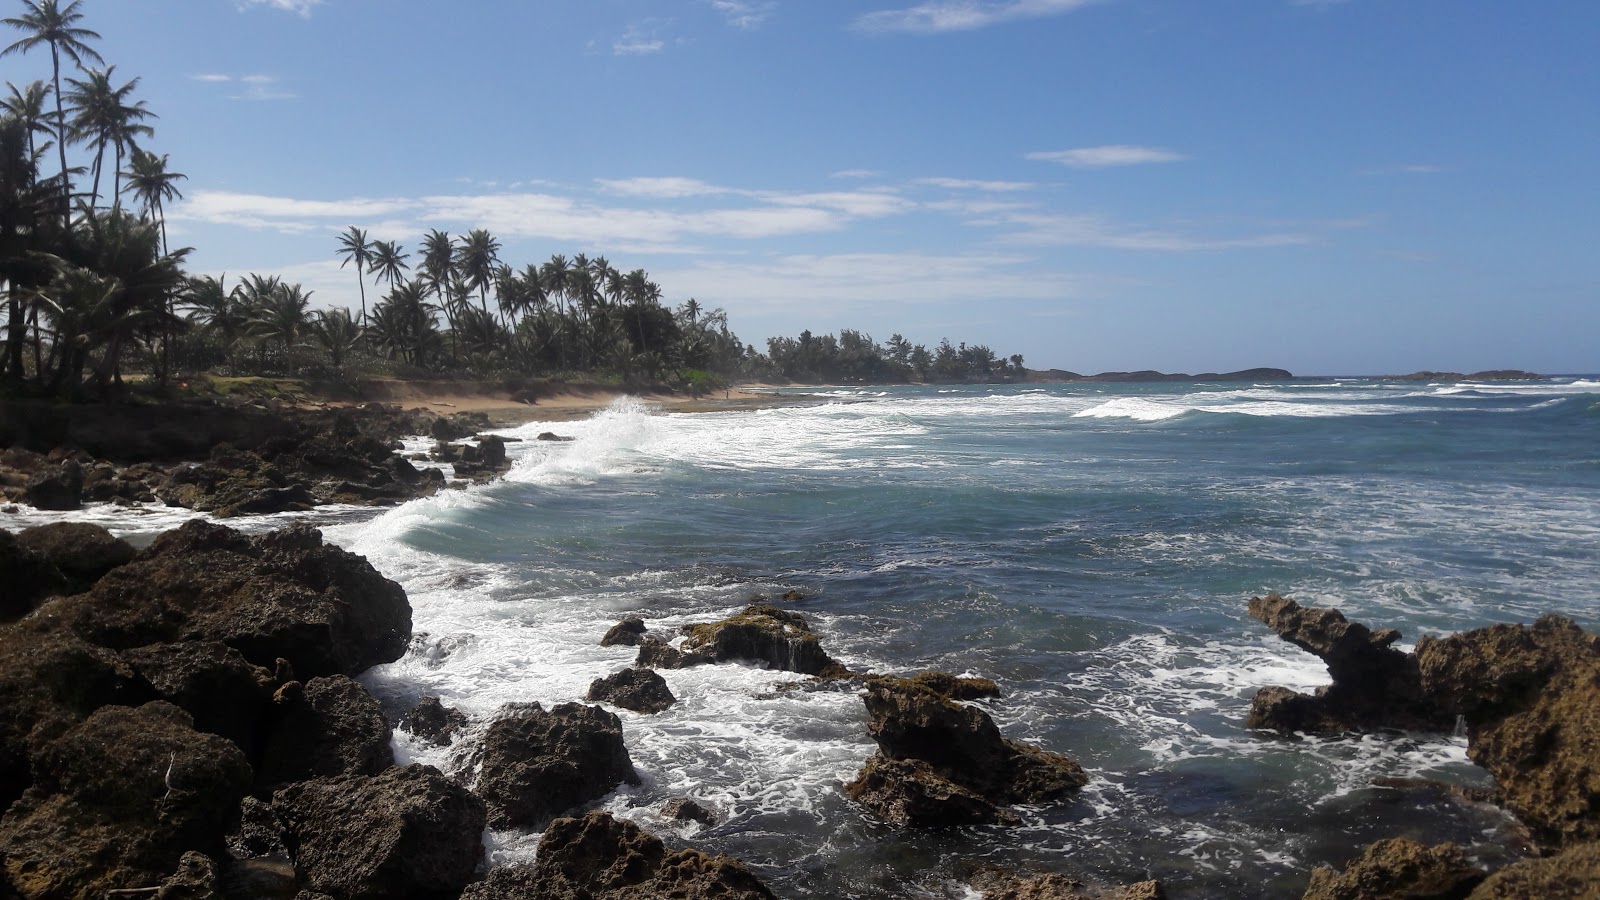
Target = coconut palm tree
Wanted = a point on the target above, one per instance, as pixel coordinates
(476, 259)
(282, 315)
(335, 332)
(355, 248)
(27, 105)
(47, 22)
(217, 309)
(25, 210)
(388, 263)
(149, 180)
(103, 116)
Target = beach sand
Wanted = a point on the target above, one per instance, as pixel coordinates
(569, 403)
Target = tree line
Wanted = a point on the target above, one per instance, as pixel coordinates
(93, 289)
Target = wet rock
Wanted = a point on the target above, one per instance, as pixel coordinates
(760, 634)
(599, 857)
(51, 680)
(640, 690)
(996, 885)
(552, 436)
(444, 451)
(1399, 867)
(212, 682)
(538, 763)
(444, 429)
(934, 752)
(58, 489)
(655, 653)
(1530, 697)
(282, 594)
(28, 577)
(197, 878)
(1572, 875)
(328, 726)
(260, 833)
(407, 832)
(432, 721)
(629, 633)
(235, 483)
(493, 451)
(118, 801)
(1374, 685)
(682, 809)
(81, 552)
(951, 687)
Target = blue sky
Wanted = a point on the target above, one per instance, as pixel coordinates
(1331, 186)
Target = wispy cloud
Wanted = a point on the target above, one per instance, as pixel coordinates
(668, 188)
(1317, 4)
(298, 7)
(637, 42)
(1407, 169)
(938, 16)
(1047, 229)
(971, 184)
(1106, 156)
(745, 14)
(212, 77)
(256, 87)
(856, 173)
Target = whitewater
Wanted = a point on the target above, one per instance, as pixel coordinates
(1090, 547)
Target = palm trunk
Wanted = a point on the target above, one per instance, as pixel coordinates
(15, 333)
(61, 142)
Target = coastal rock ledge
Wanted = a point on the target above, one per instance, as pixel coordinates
(940, 762)
(538, 763)
(761, 633)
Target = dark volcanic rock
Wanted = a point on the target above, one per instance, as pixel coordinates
(27, 575)
(654, 653)
(598, 857)
(433, 722)
(629, 632)
(1374, 685)
(640, 690)
(119, 799)
(212, 682)
(1398, 868)
(197, 878)
(279, 595)
(80, 551)
(1573, 875)
(997, 885)
(934, 752)
(951, 687)
(60, 489)
(683, 809)
(537, 764)
(326, 727)
(235, 483)
(408, 832)
(762, 634)
(1531, 700)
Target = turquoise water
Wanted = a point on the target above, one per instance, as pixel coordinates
(1092, 548)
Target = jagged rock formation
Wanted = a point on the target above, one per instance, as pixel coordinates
(940, 762)
(1374, 685)
(760, 634)
(996, 885)
(1399, 867)
(538, 764)
(598, 857)
(640, 690)
(432, 721)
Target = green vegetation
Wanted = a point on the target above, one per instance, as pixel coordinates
(93, 291)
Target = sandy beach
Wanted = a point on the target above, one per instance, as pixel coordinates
(567, 403)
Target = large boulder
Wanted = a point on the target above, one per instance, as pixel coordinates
(432, 721)
(81, 552)
(56, 489)
(118, 800)
(211, 681)
(925, 739)
(284, 595)
(1374, 685)
(599, 857)
(1399, 867)
(640, 690)
(1530, 697)
(407, 832)
(538, 764)
(235, 483)
(1571, 875)
(326, 727)
(28, 576)
(1000, 885)
(628, 633)
(761, 634)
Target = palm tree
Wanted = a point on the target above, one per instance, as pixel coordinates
(47, 23)
(149, 180)
(102, 116)
(336, 332)
(437, 266)
(556, 275)
(25, 203)
(219, 310)
(476, 258)
(354, 247)
(27, 106)
(282, 314)
(388, 263)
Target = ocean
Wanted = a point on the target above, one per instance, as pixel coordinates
(1092, 548)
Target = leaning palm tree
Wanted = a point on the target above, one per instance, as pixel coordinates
(102, 116)
(478, 254)
(388, 263)
(149, 180)
(27, 106)
(46, 22)
(354, 247)
(437, 266)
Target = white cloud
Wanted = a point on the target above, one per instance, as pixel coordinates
(670, 188)
(1047, 229)
(256, 86)
(298, 7)
(856, 173)
(1106, 156)
(211, 77)
(745, 14)
(937, 16)
(637, 42)
(1410, 169)
(970, 184)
